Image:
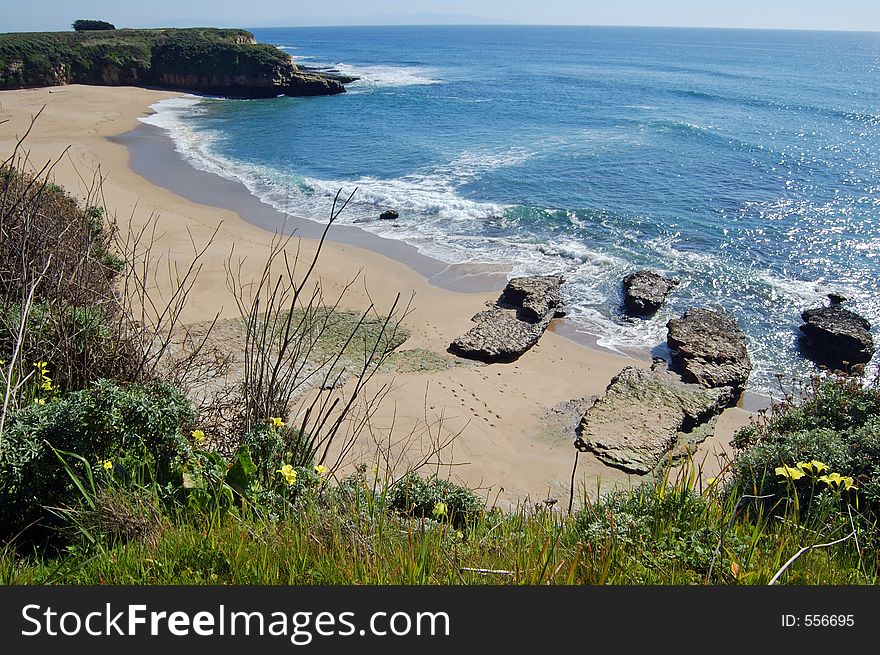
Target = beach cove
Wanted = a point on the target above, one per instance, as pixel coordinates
(504, 446)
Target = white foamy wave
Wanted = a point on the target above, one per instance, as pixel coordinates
(193, 145)
(168, 113)
(385, 76)
(473, 164)
(799, 292)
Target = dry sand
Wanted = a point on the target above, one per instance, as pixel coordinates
(505, 446)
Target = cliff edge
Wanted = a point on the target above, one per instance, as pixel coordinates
(205, 60)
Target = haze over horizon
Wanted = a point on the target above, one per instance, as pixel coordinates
(861, 15)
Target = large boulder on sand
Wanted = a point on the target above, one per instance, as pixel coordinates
(646, 414)
(709, 348)
(498, 336)
(837, 336)
(515, 324)
(646, 291)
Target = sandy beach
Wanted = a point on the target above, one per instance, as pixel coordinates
(506, 445)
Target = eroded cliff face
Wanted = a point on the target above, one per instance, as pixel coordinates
(249, 86)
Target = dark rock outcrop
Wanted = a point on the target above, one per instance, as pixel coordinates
(331, 73)
(646, 415)
(709, 348)
(837, 336)
(312, 84)
(646, 291)
(534, 297)
(519, 318)
(389, 215)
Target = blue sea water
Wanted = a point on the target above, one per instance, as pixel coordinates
(746, 163)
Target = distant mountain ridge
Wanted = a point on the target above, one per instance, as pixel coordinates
(226, 62)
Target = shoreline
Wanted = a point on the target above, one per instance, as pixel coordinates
(154, 156)
(503, 447)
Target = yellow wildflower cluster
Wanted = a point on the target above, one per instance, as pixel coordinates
(837, 481)
(198, 437)
(322, 470)
(288, 473)
(814, 468)
(276, 422)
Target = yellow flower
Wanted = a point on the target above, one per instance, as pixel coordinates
(40, 401)
(46, 384)
(320, 469)
(836, 481)
(198, 436)
(440, 509)
(288, 473)
(107, 464)
(813, 467)
(40, 366)
(276, 422)
(790, 472)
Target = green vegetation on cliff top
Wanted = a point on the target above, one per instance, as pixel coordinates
(211, 58)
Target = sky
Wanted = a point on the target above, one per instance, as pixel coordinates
(37, 15)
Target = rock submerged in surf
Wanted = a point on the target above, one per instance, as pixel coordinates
(389, 215)
(709, 348)
(836, 336)
(516, 322)
(645, 291)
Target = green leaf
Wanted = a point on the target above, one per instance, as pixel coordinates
(242, 472)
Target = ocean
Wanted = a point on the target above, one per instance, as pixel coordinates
(746, 163)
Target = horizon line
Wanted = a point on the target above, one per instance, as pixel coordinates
(514, 25)
(671, 27)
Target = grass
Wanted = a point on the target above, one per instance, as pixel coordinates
(345, 535)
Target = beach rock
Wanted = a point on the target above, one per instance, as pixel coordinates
(836, 298)
(709, 348)
(837, 336)
(498, 336)
(516, 322)
(389, 215)
(646, 291)
(534, 297)
(646, 414)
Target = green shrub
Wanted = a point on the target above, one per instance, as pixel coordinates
(420, 497)
(270, 447)
(662, 526)
(138, 428)
(84, 25)
(838, 425)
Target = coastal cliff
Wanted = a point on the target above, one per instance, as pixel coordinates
(223, 62)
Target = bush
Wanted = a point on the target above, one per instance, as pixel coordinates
(138, 428)
(270, 447)
(421, 497)
(838, 425)
(52, 243)
(661, 526)
(91, 25)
